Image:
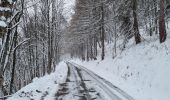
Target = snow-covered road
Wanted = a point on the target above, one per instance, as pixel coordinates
(83, 84)
(71, 81)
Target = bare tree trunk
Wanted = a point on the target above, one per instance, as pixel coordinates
(156, 20)
(115, 41)
(95, 47)
(162, 28)
(4, 52)
(49, 39)
(102, 32)
(1, 83)
(87, 48)
(14, 45)
(14, 63)
(135, 25)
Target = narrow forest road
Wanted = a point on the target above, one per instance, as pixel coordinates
(83, 84)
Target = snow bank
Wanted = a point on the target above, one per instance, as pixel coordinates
(44, 87)
(141, 70)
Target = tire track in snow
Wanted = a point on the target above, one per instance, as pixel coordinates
(104, 83)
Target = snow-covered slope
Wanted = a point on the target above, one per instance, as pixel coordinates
(43, 88)
(141, 70)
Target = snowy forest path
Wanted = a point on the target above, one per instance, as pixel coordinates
(83, 84)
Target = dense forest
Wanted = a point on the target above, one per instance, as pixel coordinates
(35, 35)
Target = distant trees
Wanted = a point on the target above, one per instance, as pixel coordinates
(8, 27)
(105, 21)
(124, 14)
(88, 26)
(44, 28)
(31, 48)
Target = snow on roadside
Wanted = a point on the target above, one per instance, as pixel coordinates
(142, 71)
(44, 87)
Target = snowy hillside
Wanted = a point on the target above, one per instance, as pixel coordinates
(42, 88)
(142, 71)
(85, 49)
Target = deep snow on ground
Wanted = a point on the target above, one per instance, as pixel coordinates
(44, 87)
(140, 70)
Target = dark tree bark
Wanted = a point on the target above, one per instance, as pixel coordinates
(135, 25)
(162, 28)
(14, 63)
(102, 32)
(14, 52)
(95, 47)
(49, 66)
(1, 83)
